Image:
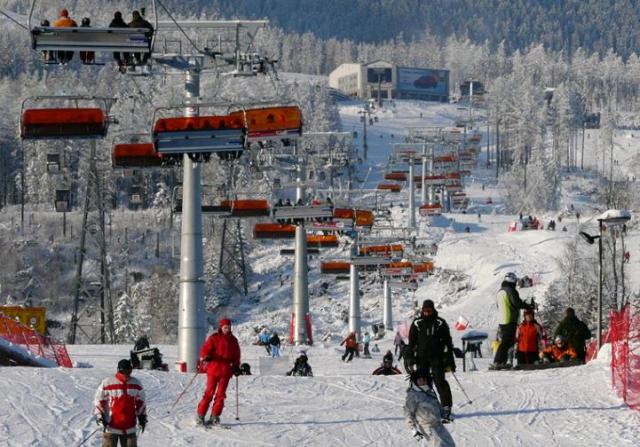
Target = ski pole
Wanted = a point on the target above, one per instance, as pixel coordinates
(462, 389)
(183, 391)
(237, 401)
(88, 437)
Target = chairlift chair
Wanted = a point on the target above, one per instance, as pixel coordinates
(248, 207)
(53, 162)
(63, 200)
(136, 155)
(135, 195)
(65, 122)
(273, 231)
(271, 123)
(391, 187)
(335, 267)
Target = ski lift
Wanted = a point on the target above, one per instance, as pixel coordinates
(65, 122)
(335, 267)
(135, 195)
(201, 135)
(322, 240)
(247, 207)
(217, 210)
(394, 250)
(53, 162)
(391, 187)
(273, 231)
(397, 176)
(48, 39)
(63, 200)
(136, 155)
(302, 213)
(360, 218)
(271, 123)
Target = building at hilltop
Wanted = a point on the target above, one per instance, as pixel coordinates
(365, 80)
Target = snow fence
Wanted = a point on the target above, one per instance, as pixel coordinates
(624, 335)
(30, 347)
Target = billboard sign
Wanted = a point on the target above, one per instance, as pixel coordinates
(423, 80)
(33, 317)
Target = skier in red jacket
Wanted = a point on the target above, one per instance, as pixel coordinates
(222, 353)
(118, 402)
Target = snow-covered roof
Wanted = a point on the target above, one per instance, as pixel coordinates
(615, 216)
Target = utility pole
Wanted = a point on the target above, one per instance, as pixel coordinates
(300, 288)
(387, 319)
(354, 292)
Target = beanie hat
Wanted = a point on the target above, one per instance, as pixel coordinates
(528, 312)
(117, 15)
(428, 304)
(64, 13)
(124, 365)
(224, 322)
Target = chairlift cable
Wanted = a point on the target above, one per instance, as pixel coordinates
(13, 20)
(180, 28)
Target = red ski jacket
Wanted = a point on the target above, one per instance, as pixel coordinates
(224, 352)
(529, 335)
(119, 400)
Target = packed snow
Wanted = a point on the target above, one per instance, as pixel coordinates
(343, 405)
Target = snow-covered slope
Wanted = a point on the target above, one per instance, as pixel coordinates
(343, 405)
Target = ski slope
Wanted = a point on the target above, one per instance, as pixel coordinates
(343, 405)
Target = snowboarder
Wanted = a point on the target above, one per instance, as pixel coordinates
(274, 345)
(422, 411)
(119, 404)
(559, 351)
(301, 367)
(222, 352)
(350, 346)
(430, 347)
(509, 303)
(366, 340)
(387, 368)
(529, 338)
(576, 332)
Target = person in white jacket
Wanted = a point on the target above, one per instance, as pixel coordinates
(423, 412)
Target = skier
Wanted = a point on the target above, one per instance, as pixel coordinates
(301, 367)
(365, 351)
(509, 303)
(118, 402)
(350, 346)
(274, 345)
(398, 343)
(87, 57)
(387, 368)
(422, 412)
(139, 22)
(64, 21)
(222, 352)
(529, 337)
(559, 351)
(264, 340)
(430, 347)
(576, 332)
(118, 22)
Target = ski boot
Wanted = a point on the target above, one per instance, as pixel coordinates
(200, 420)
(214, 420)
(446, 415)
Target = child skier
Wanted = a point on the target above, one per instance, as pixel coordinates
(422, 411)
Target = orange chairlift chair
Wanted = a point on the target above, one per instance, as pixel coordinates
(67, 120)
(134, 152)
(281, 123)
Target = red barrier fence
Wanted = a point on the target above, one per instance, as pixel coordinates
(38, 345)
(624, 330)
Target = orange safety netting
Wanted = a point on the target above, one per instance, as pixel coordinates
(38, 345)
(624, 334)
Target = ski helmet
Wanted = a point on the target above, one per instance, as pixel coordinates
(511, 278)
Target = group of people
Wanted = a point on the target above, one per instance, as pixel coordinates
(270, 341)
(529, 337)
(123, 60)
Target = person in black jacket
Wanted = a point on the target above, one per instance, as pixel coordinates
(124, 59)
(139, 22)
(430, 347)
(301, 367)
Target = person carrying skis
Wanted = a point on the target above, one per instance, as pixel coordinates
(119, 403)
(274, 345)
(509, 305)
(430, 347)
(350, 346)
(387, 368)
(422, 411)
(222, 352)
(301, 367)
(529, 338)
(559, 351)
(576, 332)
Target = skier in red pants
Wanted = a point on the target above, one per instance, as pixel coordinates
(222, 352)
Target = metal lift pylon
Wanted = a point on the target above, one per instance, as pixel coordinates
(93, 227)
(232, 265)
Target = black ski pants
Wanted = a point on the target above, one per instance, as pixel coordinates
(442, 386)
(349, 352)
(507, 339)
